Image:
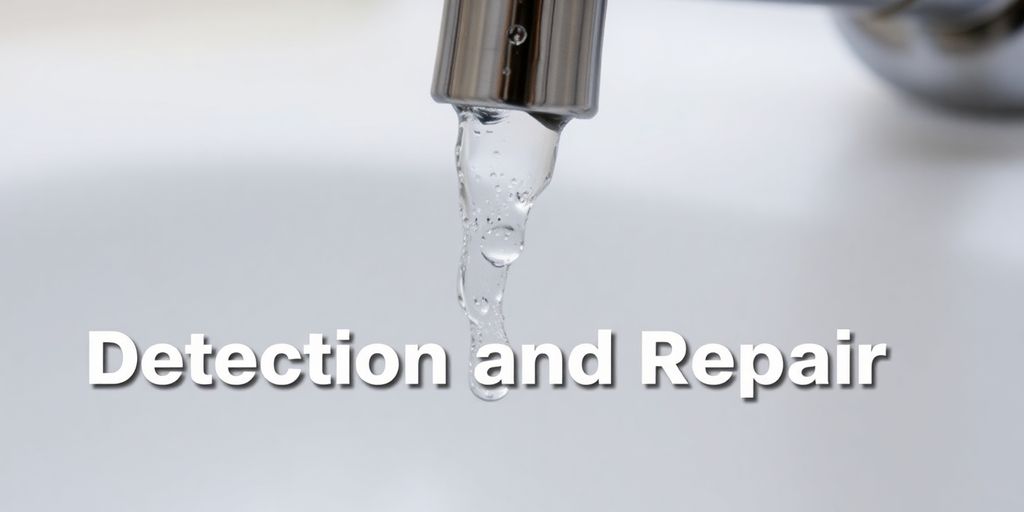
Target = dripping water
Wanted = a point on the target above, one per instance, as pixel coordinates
(504, 159)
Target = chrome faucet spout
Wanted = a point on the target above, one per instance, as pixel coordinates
(544, 56)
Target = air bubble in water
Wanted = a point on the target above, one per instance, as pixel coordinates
(517, 35)
(482, 305)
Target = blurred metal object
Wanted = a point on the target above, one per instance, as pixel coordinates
(975, 61)
(932, 9)
(543, 56)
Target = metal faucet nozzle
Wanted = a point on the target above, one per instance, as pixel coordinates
(542, 56)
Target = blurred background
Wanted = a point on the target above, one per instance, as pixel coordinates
(260, 170)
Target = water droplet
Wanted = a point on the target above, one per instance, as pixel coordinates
(501, 245)
(517, 35)
(509, 154)
(488, 393)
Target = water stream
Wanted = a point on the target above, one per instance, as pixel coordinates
(505, 159)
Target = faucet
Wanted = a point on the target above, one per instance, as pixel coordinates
(544, 56)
